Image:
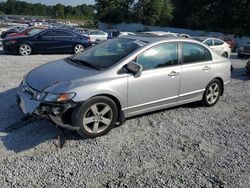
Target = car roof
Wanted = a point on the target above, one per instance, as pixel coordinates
(153, 39)
(60, 29)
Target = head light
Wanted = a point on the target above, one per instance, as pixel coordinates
(40, 96)
(54, 97)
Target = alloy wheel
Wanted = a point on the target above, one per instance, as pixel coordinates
(97, 118)
(213, 93)
(78, 48)
(25, 49)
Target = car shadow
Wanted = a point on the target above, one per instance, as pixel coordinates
(30, 136)
(193, 105)
(240, 74)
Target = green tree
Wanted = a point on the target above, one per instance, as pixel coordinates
(113, 11)
(59, 11)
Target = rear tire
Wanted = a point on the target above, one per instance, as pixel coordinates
(24, 49)
(78, 48)
(212, 93)
(225, 54)
(95, 117)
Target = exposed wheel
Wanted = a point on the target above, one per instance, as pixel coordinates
(25, 49)
(212, 93)
(96, 117)
(78, 48)
(225, 54)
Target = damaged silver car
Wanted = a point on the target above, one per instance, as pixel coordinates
(92, 91)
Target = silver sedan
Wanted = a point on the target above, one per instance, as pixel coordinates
(92, 91)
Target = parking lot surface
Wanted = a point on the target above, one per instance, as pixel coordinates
(186, 146)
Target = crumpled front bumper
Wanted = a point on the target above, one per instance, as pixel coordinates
(53, 111)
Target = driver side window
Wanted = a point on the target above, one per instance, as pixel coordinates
(162, 55)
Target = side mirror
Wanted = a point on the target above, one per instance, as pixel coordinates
(134, 68)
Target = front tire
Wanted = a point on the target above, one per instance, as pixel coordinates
(25, 49)
(95, 117)
(212, 93)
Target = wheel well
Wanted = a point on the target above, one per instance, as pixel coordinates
(226, 54)
(67, 115)
(222, 84)
(121, 116)
(117, 102)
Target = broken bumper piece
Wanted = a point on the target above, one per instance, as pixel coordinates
(53, 111)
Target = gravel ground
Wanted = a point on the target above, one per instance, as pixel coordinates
(187, 146)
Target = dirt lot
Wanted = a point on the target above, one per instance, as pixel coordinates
(187, 146)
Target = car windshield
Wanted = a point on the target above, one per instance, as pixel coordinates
(108, 53)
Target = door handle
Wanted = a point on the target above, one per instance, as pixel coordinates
(206, 68)
(173, 73)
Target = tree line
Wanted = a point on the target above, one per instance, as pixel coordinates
(59, 11)
(230, 16)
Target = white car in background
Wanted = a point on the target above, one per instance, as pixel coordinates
(161, 33)
(218, 45)
(96, 36)
(122, 33)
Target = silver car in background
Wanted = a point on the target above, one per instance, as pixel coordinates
(92, 91)
(96, 36)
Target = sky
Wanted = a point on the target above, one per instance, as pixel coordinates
(64, 2)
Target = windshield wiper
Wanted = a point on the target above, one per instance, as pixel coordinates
(82, 62)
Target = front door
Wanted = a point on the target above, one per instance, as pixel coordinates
(45, 42)
(158, 84)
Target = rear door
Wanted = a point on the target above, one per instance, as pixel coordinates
(158, 84)
(197, 71)
(65, 41)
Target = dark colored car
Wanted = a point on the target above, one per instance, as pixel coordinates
(244, 50)
(28, 31)
(232, 43)
(248, 67)
(47, 41)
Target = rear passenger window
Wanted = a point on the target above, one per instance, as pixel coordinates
(64, 34)
(49, 34)
(218, 42)
(195, 53)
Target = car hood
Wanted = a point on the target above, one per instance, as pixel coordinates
(21, 37)
(57, 72)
